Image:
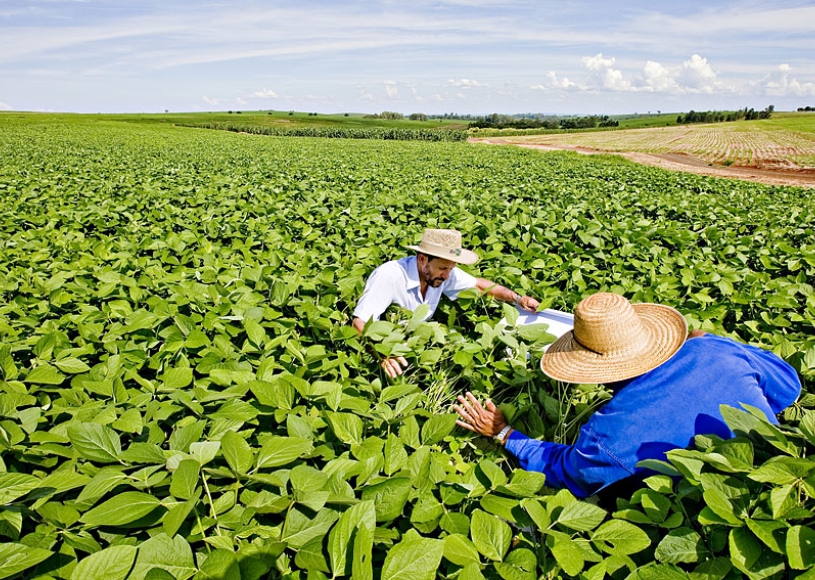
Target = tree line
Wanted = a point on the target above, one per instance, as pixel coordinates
(724, 116)
(497, 121)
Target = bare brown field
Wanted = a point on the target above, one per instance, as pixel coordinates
(772, 155)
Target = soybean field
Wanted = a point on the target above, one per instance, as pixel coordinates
(182, 396)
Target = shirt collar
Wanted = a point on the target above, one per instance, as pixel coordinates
(412, 273)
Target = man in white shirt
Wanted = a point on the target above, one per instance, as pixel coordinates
(422, 279)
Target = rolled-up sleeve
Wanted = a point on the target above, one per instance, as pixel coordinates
(459, 280)
(583, 469)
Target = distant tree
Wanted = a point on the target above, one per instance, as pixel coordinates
(229, 112)
(391, 115)
(346, 114)
(417, 117)
(291, 113)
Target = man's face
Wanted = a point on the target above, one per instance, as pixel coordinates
(435, 271)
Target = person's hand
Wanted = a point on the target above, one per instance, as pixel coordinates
(487, 420)
(696, 333)
(393, 366)
(528, 303)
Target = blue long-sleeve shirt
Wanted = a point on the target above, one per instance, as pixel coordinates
(661, 410)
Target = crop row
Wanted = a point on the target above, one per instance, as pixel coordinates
(740, 145)
(181, 394)
(388, 134)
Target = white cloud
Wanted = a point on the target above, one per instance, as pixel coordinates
(604, 75)
(559, 83)
(659, 79)
(4, 106)
(240, 101)
(697, 76)
(265, 94)
(779, 84)
(466, 84)
(391, 90)
(212, 101)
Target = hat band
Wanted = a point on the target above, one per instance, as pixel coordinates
(440, 248)
(583, 346)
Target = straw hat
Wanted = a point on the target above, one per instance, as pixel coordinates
(614, 340)
(445, 244)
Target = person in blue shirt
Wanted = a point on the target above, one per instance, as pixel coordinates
(667, 387)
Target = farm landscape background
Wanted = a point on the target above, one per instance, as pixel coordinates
(182, 395)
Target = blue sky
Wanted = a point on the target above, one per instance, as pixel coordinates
(447, 56)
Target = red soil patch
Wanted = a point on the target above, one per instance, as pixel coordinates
(770, 175)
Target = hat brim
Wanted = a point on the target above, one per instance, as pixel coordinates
(566, 360)
(465, 257)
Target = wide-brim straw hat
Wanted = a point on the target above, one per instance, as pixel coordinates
(614, 340)
(445, 244)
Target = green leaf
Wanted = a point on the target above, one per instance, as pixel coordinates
(714, 569)
(72, 366)
(493, 473)
(15, 558)
(299, 528)
(174, 556)
(177, 515)
(490, 535)
(44, 374)
(437, 428)
(625, 538)
(310, 556)
(279, 451)
(121, 509)
(16, 485)
(112, 563)
(305, 479)
(237, 452)
(183, 437)
(220, 565)
(783, 470)
(395, 455)
(800, 546)
(346, 427)
(581, 516)
(413, 560)
(389, 497)
(568, 556)
(471, 572)
(176, 378)
(341, 538)
(95, 442)
(255, 332)
(185, 479)
(681, 545)
(772, 533)
(721, 505)
(362, 566)
(744, 548)
(523, 484)
(460, 550)
(520, 564)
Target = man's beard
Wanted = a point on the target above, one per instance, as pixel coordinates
(435, 282)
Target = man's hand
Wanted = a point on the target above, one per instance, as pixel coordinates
(393, 366)
(487, 420)
(528, 303)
